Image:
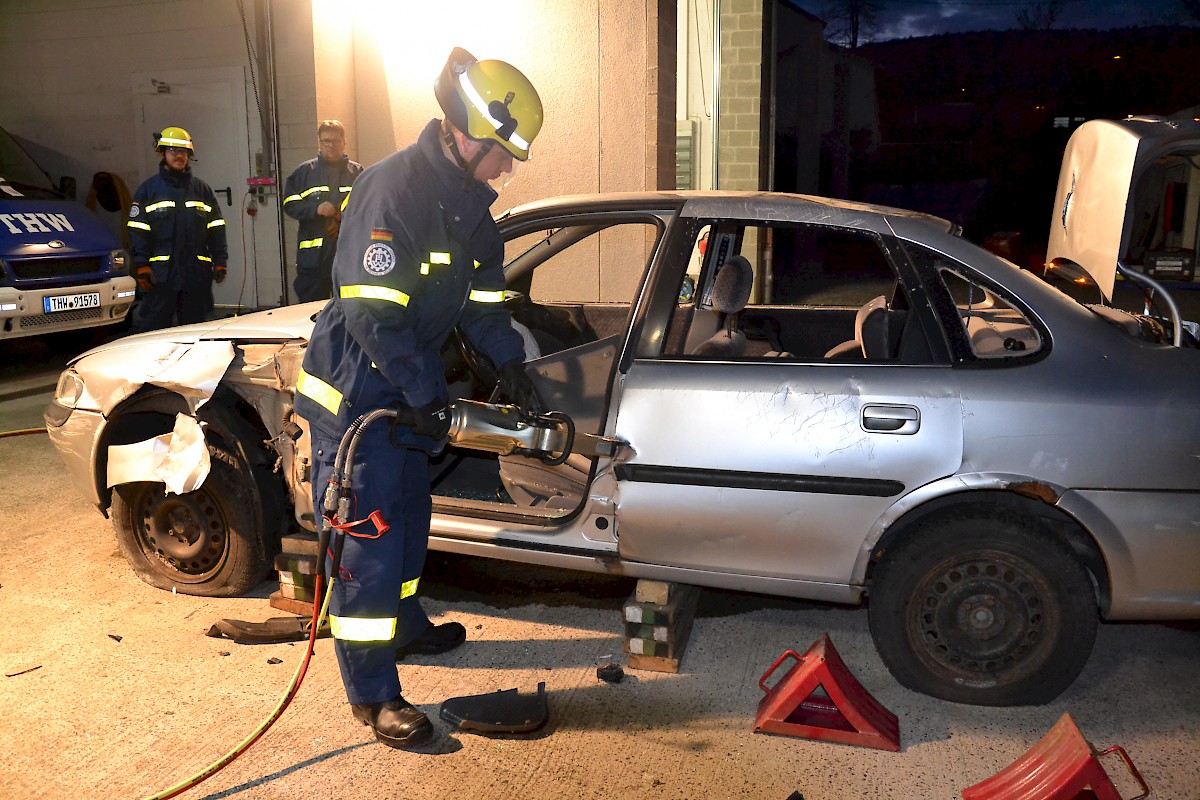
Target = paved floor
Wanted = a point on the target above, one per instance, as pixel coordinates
(110, 689)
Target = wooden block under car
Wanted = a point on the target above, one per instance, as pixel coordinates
(683, 598)
(296, 562)
(304, 609)
(655, 592)
(299, 544)
(293, 591)
(657, 635)
(672, 645)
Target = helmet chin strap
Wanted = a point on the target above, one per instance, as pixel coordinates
(468, 167)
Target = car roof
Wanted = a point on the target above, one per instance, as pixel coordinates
(775, 206)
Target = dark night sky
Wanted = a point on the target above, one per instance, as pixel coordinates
(904, 18)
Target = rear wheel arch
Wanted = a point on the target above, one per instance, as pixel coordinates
(983, 598)
(1054, 522)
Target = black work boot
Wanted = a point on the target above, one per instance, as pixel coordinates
(396, 722)
(436, 640)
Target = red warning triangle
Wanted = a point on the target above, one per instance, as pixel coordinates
(1061, 766)
(819, 698)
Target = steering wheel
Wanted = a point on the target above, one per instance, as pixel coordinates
(486, 377)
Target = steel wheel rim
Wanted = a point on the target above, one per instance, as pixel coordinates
(976, 615)
(186, 535)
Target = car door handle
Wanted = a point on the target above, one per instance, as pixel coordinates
(886, 418)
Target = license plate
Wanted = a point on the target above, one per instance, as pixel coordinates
(71, 302)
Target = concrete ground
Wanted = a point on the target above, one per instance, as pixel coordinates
(110, 688)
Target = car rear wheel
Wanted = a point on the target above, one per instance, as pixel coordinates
(207, 542)
(983, 610)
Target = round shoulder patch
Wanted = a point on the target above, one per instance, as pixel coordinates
(379, 259)
(134, 210)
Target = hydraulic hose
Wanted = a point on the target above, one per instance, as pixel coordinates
(336, 506)
(320, 609)
(345, 455)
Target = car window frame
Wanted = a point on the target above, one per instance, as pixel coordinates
(677, 250)
(949, 318)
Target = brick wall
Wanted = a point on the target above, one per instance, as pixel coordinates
(739, 146)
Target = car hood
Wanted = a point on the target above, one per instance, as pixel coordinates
(1090, 223)
(277, 324)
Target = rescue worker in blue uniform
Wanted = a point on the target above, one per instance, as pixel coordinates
(418, 254)
(177, 239)
(315, 194)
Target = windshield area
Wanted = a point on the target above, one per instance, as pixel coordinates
(20, 176)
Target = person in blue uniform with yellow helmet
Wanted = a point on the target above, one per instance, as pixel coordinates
(177, 240)
(418, 254)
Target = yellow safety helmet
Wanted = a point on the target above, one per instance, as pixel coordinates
(175, 137)
(490, 100)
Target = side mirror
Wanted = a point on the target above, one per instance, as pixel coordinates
(67, 187)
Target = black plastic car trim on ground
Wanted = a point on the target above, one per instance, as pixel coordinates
(730, 479)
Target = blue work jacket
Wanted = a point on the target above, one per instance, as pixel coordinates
(418, 254)
(175, 226)
(309, 185)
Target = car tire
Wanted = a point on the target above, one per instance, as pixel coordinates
(984, 610)
(207, 542)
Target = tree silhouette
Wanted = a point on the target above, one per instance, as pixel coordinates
(850, 22)
(1040, 15)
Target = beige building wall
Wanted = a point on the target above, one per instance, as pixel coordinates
(604, 70)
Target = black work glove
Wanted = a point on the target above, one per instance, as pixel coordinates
(145, 277)
(518, 388)
(219, 273)
(432, 420)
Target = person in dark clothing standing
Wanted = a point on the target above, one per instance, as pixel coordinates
(177, 236)
(315, 194)
(419, 254)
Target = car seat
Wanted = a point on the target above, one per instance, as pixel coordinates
(870, 333)
(730, 294)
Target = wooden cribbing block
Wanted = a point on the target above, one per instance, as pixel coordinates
(656, 592)
(299, 544)
(683, 599)
(656, 635)
(300, 607)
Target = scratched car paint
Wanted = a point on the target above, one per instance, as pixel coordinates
(894, 416)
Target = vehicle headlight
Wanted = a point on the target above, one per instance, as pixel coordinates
(69, 389)
(120, 261)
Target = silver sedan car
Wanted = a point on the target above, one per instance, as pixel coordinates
(813, 399)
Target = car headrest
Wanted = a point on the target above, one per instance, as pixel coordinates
(731, 289)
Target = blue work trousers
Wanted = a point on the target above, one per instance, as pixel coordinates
(395, 482)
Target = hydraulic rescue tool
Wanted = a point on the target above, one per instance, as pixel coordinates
(502, 429)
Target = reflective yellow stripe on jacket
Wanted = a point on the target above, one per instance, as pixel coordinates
(319, 392)
(367, 292)
(307, 243)
(481, 296)
(434, 258)
(305, 193)
(362, 629)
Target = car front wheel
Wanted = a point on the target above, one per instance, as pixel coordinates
(984, 610)
(207, 542)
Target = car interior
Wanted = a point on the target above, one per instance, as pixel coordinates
(818, 294)
(572, 343)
